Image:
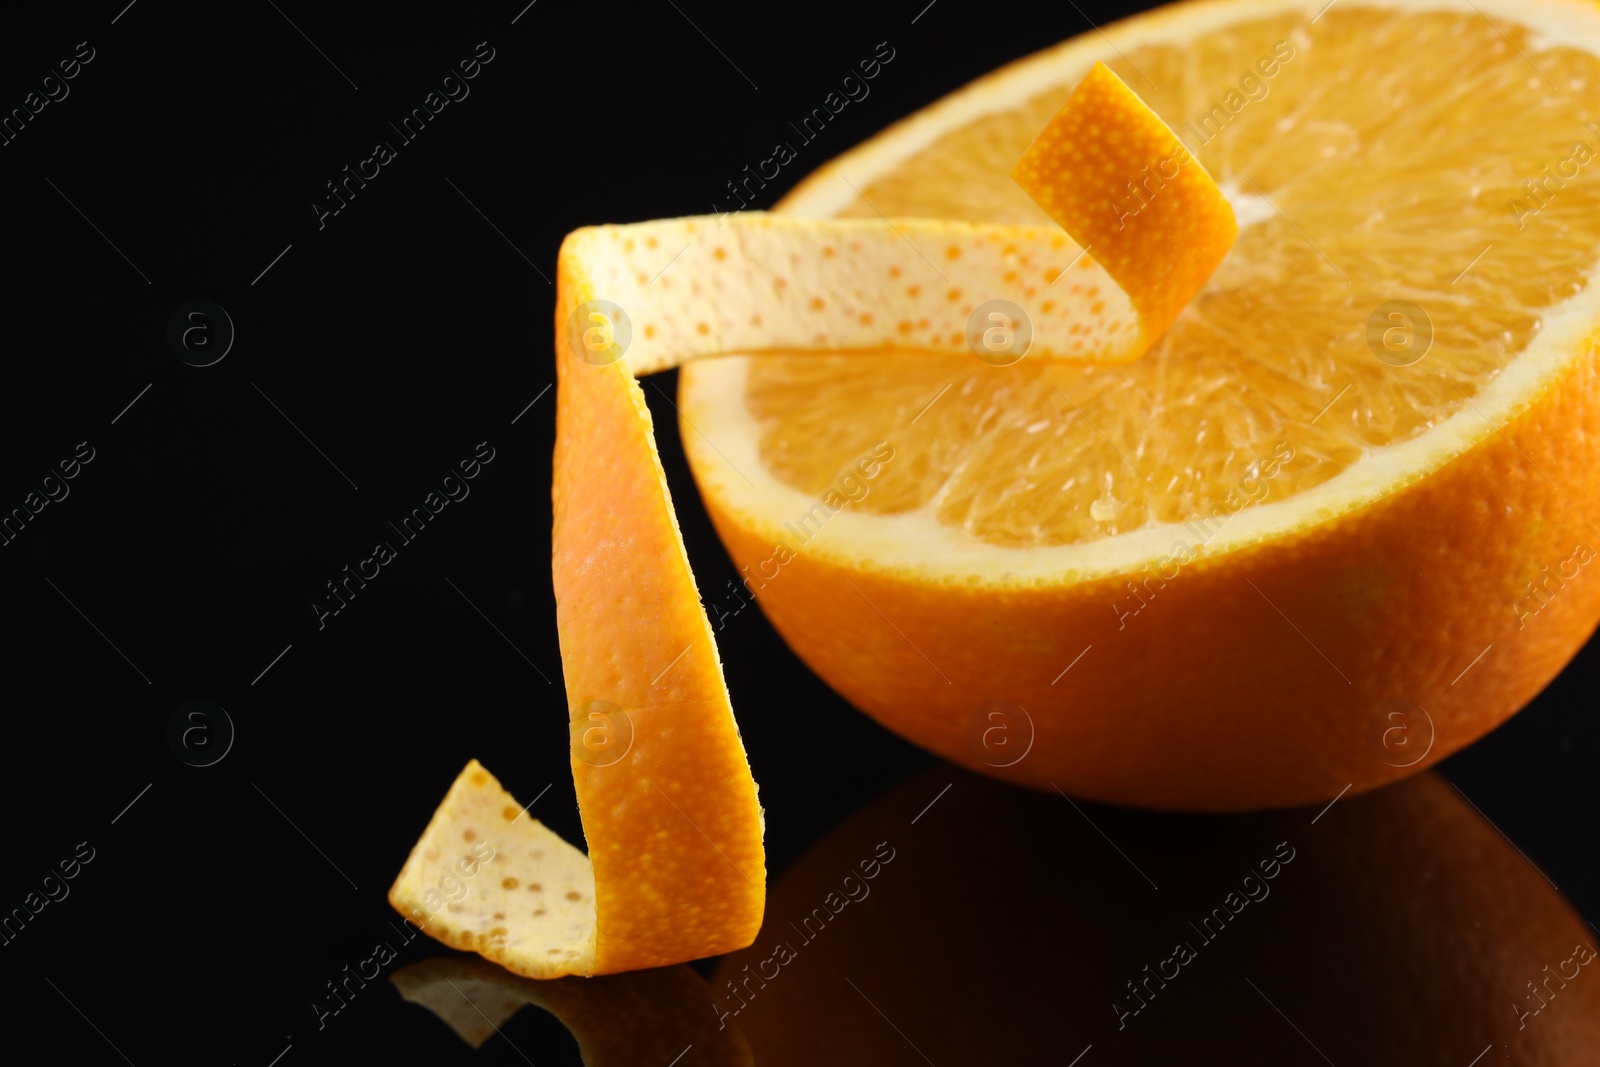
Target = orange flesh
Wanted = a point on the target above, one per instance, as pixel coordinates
(1388, 200)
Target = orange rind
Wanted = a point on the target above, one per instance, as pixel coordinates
(676, 869)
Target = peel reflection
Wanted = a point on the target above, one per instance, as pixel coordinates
(642, 1017)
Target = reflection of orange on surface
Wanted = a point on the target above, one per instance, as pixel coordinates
(1399, 928)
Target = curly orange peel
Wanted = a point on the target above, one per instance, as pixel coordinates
(676, 869)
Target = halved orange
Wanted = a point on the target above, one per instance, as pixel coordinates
(1337, 524)
(1400, 929)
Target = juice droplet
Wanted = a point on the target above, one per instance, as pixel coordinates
(1107, 507)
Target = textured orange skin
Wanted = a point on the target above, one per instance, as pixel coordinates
(1161, 254)
(674, 828)
(1208, 699)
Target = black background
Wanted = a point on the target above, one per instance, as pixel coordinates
(413, 325)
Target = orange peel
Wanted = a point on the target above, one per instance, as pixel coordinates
(664, 787)
(1121, 182)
